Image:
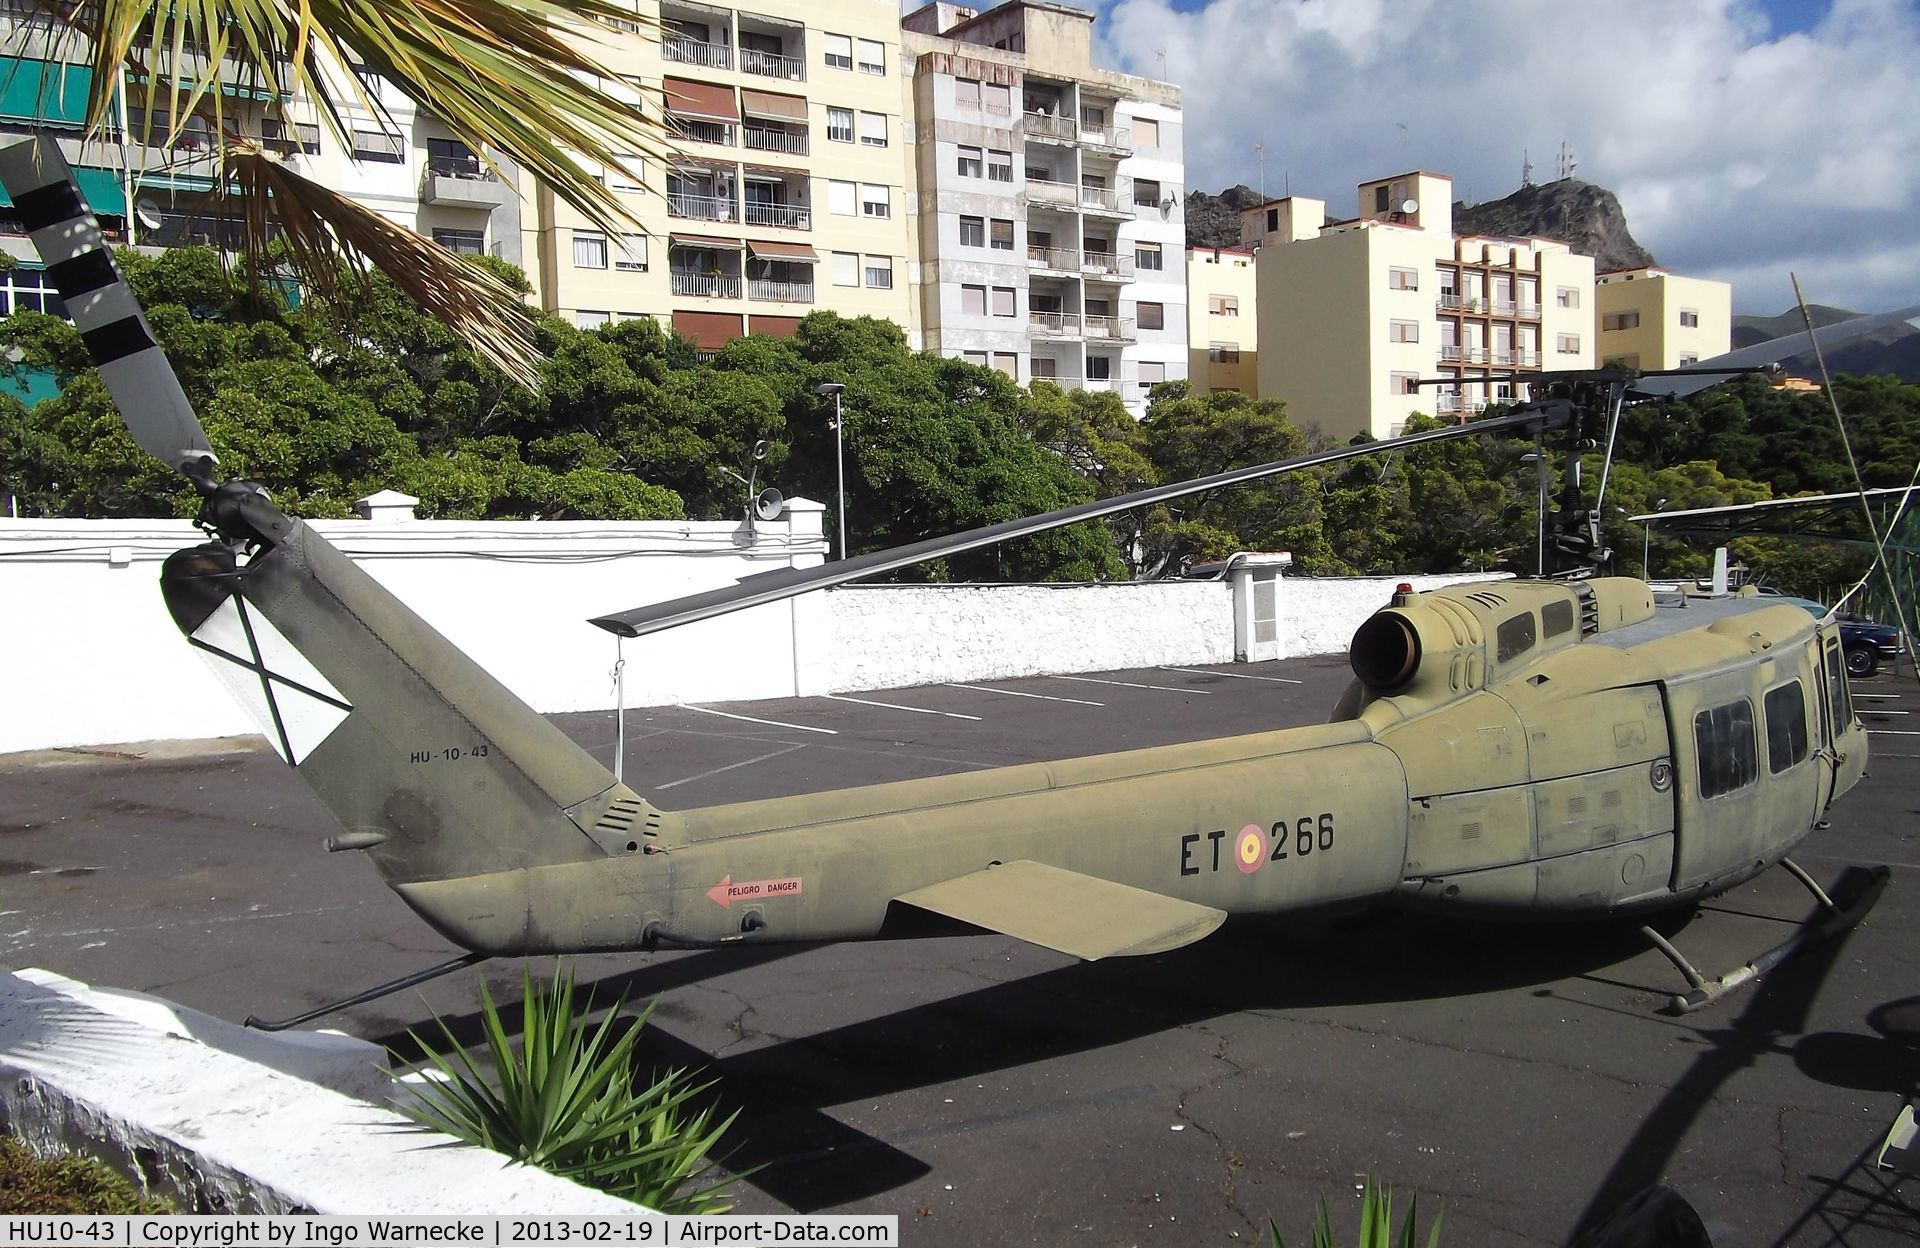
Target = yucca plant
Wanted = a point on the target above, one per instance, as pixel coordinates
(567, 1099)
(1376, 1223)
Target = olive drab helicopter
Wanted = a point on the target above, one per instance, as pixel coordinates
(1550, 749)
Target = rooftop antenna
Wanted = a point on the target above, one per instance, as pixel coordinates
(1160, 54)
(1568, 164)
(1526, 168)
(1260, 152)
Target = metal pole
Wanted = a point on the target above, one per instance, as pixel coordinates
(1646, 549)
(840, 471)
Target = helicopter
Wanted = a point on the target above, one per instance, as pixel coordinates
(1552, 749)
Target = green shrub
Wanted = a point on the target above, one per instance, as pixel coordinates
(568, 1101)
(35, 1184)
(1376, 1223)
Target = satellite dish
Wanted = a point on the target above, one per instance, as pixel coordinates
(148, 215)
(760, 450)
(1410, 206)
(769, 504)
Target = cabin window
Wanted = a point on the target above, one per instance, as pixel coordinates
(1556, 618)
(1838, 692)
(1724, 738)
(1515, 637)
(1786, 726)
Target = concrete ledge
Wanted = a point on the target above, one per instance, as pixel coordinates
(220, 1119)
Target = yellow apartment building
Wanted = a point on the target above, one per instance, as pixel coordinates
(1365, 320)
(1222, 321)
(1650, 318)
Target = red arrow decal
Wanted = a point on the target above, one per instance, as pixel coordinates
(726, 892)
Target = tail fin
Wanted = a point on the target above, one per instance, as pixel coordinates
(428, 762)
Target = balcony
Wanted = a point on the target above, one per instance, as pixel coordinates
(780, 216)
(695, 131)
(1113, 201)
(1054, 259)
(701, 207)
(766, 139)
(1107, 266)
(1053, 324)
(1054, 194)
(1110, 328)
(462, 184)
(772, 65)
(1050, 127)
(707, 285)
(1528, 312)
(693, 52)
(1111, 140)
(779, 292)
(1454, 405)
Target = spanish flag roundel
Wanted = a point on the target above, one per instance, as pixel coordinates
(1250, 849)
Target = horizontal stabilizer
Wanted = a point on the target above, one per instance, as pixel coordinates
(1063, 910)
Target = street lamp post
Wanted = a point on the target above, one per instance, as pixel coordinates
(1540, 540)
(1646, 543)
(834, 388)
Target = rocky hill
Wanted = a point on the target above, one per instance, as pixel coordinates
(1214, 220)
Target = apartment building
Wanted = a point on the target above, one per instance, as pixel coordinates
(1222, 321)
(1049, 224)
(1356, 314)
(1650, 318)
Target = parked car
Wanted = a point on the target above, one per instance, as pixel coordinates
(1865, 642)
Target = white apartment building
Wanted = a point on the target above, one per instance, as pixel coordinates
(1356, 314)
(1050, 230)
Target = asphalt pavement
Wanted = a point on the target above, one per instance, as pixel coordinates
(992, 1093)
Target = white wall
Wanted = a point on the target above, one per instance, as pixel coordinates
(88, 655)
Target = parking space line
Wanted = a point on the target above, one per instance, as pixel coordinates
(1200, 671)
(745, 762)
(895, 706)
(1891, 732)
(1876, 697)
(1875, 710)
(1016, 693)
(1127, 684)
(771, 723)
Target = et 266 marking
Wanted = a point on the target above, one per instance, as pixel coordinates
(1253, 846)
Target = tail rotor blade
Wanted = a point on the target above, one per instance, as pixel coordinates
(67, 235)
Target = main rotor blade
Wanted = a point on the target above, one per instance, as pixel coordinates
(1770, 352)
(67, 235)
(789, 582)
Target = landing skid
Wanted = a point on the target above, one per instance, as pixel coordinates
(371, 994)
(1706, 991)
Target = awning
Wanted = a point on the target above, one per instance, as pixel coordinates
(705, 101)
(705, 240)
(782, 251)
(709, 331)
(46, 92)
(778, 107)
(100, 187)
(774, 326)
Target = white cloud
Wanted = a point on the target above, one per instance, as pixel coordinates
(1737, 154)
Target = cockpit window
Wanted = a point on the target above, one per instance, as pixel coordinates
(1515, 637)
(1786, 726)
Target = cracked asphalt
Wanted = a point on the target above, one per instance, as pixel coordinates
(992, 1093)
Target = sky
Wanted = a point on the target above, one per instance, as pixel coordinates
(1746, 139)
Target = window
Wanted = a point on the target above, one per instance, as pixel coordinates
(1146, 256)
(1002, 234)
(1403, 383)
(999, 98)
(1631, 360)
(839, 50)
(1040, 366)
(999, 166)
(973, 231)
(632, 256)
(1150, 315)
(1003, 301)
(1567, 344)
(880, 272)
(1273, 219)
(1839, 692)
(284, 136)
(1689, 357)
(1224, 305)
(1152, 373)
(1567, 297)
(1092, 117)
(1403, 279)
(1099, 367)
(1225, 353)
(1689, 318)
(839, 125)
(462, 242)
(589, 249)
(626, 178)
(875, 202)
(873, 129)
(846, 268)
(966, 92)
(377, 145)
(1403, 331)
(591, 320)
(1514, 637)
(1146, 193)
(1786, 726)
(1620, 320)
(873, 57)
(971, 164)
(842, 199)
(1007, 362)
(1724, 738)
(975, 357)
(973, 300)
(1146, 133)
(1556, 618)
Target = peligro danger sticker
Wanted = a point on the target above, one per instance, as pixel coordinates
(726, 892)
